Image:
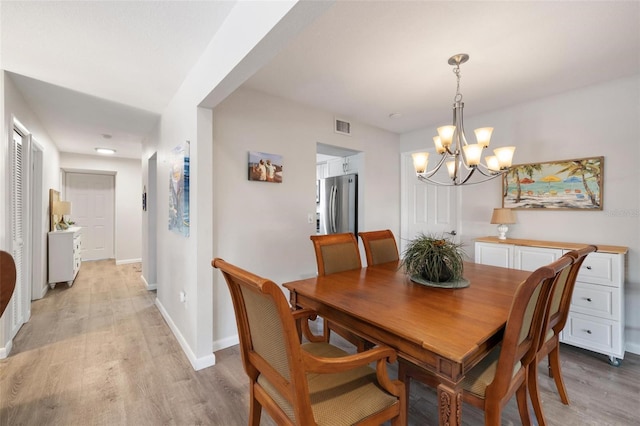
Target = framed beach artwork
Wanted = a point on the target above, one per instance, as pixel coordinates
(179, 190)
(265, 167)
(555, 185)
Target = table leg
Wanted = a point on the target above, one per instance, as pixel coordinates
(449, 406)
(405, 378)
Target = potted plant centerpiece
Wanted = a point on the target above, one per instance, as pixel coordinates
(435, 261)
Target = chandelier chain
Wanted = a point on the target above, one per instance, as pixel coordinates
(456, 71)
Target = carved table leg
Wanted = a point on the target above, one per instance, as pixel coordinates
(449, 406)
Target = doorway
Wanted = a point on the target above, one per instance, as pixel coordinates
(149, 268)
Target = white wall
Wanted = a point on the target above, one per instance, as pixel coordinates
(128, 196)
(14, 105)
(263, 227)
(599, 120)
(243, 44)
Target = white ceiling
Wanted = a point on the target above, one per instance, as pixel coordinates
(103, 67)
(93, 68)
(367, 60)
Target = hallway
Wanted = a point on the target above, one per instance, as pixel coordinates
(100, 353)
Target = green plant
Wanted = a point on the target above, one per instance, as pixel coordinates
(434, 259)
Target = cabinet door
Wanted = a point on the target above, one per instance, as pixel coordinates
(336, 167)
(531, 258)
(494, 254)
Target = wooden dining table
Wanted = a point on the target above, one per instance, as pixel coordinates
(438, 333)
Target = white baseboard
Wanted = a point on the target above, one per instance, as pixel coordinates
(196, 363)
(148, 286)
(634, 348)
(43, 292)
(225, 343)
(125, 261)
(4, 352)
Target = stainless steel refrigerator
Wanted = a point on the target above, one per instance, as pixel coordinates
(338, 204)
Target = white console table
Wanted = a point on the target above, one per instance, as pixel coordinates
(65, 255)
(596, 318)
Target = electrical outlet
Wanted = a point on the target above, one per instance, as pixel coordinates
(183, 296)
(310, 218)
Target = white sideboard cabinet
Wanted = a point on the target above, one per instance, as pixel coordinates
(596, 318)
(65, 255)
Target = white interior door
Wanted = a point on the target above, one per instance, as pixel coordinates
(18, 309)
(426, 208)
(92, 208)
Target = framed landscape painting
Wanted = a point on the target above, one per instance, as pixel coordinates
(555, 185)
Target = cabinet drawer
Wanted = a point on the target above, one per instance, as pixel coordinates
(596, 334)
(602, 268)
(598, 300)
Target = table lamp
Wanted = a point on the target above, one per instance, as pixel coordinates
(60, 208)
(502, 217)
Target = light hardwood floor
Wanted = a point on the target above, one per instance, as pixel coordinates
(100, 353)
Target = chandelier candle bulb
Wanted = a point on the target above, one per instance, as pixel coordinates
(483, 136)
(446, 135)
(473, 153)
(420, 161)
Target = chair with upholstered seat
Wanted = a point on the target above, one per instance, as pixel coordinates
(314, 383)
(379, 247)
(7, 279)
(337, 253)
(555, 320)
(494, 380)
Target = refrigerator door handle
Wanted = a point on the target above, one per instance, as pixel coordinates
(332, 209)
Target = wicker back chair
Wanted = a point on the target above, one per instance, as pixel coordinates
(305, 384)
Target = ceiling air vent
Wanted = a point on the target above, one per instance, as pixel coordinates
(342, 127)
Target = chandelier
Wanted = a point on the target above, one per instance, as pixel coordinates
(463, 159)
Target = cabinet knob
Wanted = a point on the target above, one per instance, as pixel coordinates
(588, 267)
(588, 299)
(588, 331)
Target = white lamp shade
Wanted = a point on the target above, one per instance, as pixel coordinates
(420, 161)
(483, 136)
(505, 156)
(473, 152)
(492, 163)
(438, 143)
(446, 135)
(451, 168)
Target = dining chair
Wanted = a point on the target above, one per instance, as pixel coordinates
(337, 253)
(379, 247)
(7, 279)
(494, 380)
(554, 321)
(314, 383)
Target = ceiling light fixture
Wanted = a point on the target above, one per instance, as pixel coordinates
(105, 151)
(461, 158)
